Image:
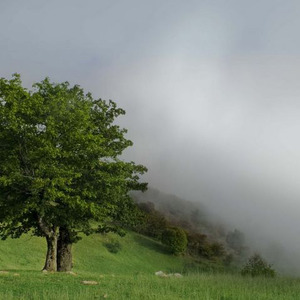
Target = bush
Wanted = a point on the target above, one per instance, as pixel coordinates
(257, 266)
(175, 239)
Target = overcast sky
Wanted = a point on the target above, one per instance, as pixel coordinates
(211, 90)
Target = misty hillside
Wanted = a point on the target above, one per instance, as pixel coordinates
(186, 214)
(197, 218)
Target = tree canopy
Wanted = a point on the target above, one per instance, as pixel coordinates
(60, 163)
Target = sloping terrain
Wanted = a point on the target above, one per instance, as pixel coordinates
(136, 253)
(126, 274)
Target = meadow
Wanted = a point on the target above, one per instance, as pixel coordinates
(127, 274)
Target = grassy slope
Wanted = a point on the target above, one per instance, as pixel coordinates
(91, 255)
(125, 275)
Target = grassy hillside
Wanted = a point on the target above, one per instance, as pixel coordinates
(128, 274)
(91, 255)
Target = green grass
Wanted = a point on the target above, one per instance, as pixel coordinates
(128, 274)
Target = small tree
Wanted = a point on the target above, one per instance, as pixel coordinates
(60, 170)
(175, 239)
(257, 266)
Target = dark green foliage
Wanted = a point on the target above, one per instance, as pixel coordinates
(179, 212)
(152, 222)
(199, 245)
(175, 239)
(217, 250)
(59, 157)
(257, 266)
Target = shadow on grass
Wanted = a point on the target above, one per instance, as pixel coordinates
(112, 246)
(151, 244)
(21, 271)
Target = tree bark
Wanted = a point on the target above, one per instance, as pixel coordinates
(51, 234)
(51, 257)
(64, 251)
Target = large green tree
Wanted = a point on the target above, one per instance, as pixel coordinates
(60, 166)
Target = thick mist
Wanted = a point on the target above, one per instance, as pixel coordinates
(211, 93)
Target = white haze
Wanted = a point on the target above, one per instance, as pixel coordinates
(210, 88)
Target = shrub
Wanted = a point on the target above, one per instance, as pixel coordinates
(257, 266)
(175, 239)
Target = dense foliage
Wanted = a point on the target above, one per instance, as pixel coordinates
(152, 223)
(257, 266)
(175, 239)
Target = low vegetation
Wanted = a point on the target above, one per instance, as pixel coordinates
(175, 239)
(257, 266)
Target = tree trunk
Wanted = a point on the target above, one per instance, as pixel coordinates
(51, 233)
(64, 251)
(51, 257)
